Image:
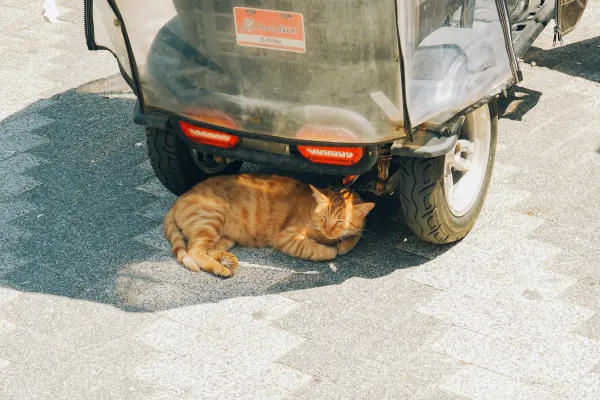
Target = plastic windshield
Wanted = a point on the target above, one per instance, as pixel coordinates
(456, 53)
(321, 70)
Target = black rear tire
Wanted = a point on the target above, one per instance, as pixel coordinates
(424, 200)
(173, 162)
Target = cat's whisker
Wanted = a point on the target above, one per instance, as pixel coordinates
(370, 232)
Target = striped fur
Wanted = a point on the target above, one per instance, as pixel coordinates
(261, 211)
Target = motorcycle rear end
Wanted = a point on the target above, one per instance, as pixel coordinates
(381, 96)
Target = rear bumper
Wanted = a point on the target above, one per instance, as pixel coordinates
(288, 160)
(424, 144)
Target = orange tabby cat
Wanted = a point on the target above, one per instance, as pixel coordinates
(262, 211)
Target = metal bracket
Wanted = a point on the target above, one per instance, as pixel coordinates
(428, 144)
(152, 120)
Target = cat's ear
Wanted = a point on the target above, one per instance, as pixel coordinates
(364, 208)
(319, 196)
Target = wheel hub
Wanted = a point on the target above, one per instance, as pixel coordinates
(466, 165)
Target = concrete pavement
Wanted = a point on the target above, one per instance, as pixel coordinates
(92, 305)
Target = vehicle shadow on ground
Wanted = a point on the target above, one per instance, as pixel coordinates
(579, 59)
(518, 102)
(82, 215)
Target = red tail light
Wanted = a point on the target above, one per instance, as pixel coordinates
(329, 154)
(210, 136)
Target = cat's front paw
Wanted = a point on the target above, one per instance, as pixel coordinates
(326, 254)
(345, 246)
(342, 248)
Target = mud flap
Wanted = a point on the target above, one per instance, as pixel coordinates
(567, 16)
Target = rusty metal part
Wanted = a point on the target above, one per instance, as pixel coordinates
(383, 170)
(348, 179)
(371, 185)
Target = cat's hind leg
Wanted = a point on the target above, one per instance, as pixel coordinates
(200, 249)
(203, 235)
(221, 254)
(224, 244)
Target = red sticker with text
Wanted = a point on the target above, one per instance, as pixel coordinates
(269, 29)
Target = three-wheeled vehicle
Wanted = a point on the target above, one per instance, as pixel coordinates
(388, 96)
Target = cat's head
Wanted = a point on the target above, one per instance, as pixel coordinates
(339, 214)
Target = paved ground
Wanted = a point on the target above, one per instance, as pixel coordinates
(92, 305)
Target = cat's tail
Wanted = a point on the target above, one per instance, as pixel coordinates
(175, 237)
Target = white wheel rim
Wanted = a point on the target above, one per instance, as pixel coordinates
(466, 165)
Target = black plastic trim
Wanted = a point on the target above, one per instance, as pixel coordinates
(88, 24)
(132, 63)
(502, 7)
(525, 38)
(152, 120)
(406, 116)
(428, 144)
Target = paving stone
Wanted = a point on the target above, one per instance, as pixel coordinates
(74, 324)
(155, 238)
(167, 269)
(100, 372)
(336, 309)
(16, 185)
(564, 364)
(417, 379)
(151, 296)
(224, 315)
(194, 346)
(401, 342)
(18, 164)
(155, 188)
(26, 124)
(477, 383)
(156, 210)
(21, 382)
(173, 374)
(519, 290)
(590, 328)
(14, 209)
(319, 388)
(549, 323)
(21, 142)
(9, 262)
(461, 311)
(39, 278)
(7, 294)
(6, 326)
(587, 388)
(14, 84)
(486, 352)
(331, 364)
(276, 382)
(247, 281)
(132, 389)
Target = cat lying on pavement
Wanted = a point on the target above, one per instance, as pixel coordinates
(262, 211)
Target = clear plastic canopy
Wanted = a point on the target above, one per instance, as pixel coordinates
(274, 67)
